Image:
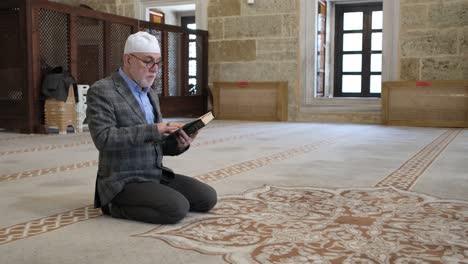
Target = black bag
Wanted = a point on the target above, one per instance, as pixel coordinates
(56, 83)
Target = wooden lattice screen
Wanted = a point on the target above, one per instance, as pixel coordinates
(37, 35)
(14, 104)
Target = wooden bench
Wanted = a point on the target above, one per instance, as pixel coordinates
(258, 101)
(425, 103)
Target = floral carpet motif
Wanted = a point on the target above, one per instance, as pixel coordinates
(314, 225)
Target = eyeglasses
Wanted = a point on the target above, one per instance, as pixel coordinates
(149, 64)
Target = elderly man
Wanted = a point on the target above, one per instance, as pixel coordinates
(126, 125)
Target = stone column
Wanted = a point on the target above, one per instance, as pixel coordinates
(254, 43)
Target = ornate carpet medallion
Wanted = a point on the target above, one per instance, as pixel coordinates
(313, 225)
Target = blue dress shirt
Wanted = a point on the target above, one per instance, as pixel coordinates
(141, 95)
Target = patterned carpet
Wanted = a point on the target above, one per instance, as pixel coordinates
(308, 225)
(329, 194)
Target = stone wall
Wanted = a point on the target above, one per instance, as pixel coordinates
(433, 40)
(256, 42)
(117, 7)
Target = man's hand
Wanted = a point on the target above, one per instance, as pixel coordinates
(169, 127)
(183, 140)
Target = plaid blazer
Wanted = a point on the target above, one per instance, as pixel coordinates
(127, 152)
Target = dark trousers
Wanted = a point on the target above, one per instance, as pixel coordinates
(163, 203)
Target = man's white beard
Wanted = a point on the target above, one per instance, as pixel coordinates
(144, 83)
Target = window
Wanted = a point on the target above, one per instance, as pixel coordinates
(189, 22)
(156, 16)
(162, 83)
(358, 50)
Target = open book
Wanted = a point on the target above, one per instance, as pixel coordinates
(192, 127)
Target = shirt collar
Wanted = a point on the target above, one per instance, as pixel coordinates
(134, 87)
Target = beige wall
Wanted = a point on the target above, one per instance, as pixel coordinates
(433, 40)
(254, 42)
(260, 42)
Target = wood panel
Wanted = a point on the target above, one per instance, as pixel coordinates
(425, 103)
(259, 101)
(15, 106)
(182, 106)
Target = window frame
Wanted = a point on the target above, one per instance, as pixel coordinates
(365, 73)
(322, 48)
(154, 15)
(185, 20)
